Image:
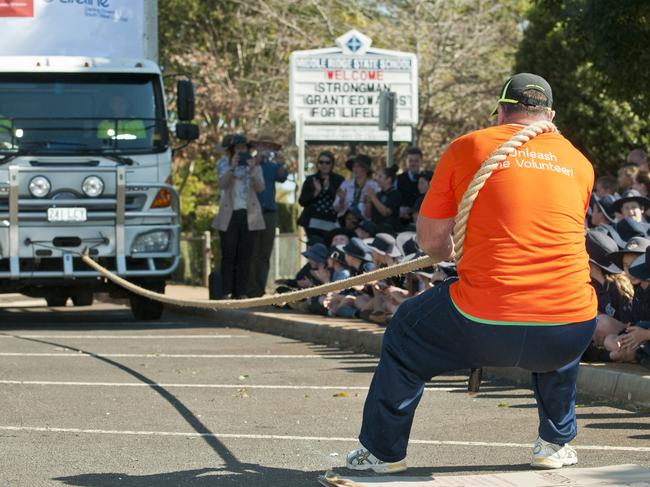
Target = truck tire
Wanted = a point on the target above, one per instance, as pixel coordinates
(144, 309)
(83, 298)
(56, 300)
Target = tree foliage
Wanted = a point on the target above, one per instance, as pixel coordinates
(591, 52)
(237, 52)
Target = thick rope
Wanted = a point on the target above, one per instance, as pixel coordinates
(485, 171)
(460, 227)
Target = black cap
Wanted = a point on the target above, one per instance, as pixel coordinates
(628, 228)
(640, 268)
(631, 195)
(513, 91)
(636, 245)
(599, 247)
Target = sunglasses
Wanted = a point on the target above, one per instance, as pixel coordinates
(324, 161)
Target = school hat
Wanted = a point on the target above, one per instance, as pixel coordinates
(640, 268)
(232, 140)
(357, 248)
(599, 247)
(338, 231)
(408, 246)
(318, 252)
(611, 232)
(368, 226)
(606, 205)
(362, 159)
(636, 245)
(513, 91)
(628, 228)
(266, 136)
(385, 244)
(631, 195)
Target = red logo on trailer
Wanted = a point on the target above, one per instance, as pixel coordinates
(16, 8)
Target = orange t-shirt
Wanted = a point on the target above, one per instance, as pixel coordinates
(524, 258)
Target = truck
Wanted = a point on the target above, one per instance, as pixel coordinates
(85, 155)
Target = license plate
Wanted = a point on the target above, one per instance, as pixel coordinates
(66, 214)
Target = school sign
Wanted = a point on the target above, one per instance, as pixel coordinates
(335, 91)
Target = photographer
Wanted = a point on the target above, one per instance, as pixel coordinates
(240, 178)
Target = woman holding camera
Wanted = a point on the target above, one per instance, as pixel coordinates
(240, 178)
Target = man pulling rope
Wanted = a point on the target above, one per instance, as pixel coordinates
(523, 297)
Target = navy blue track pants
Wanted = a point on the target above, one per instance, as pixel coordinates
(428, 336)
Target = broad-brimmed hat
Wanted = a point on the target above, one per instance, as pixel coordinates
(362, 159)
(357, 248)
(408, 245)
(265, 136)
(611, 232)
(369, 227)
(631, 195)
(599, 247)
(231, 140)
(606, 205)
(513, 91)
(628, 228)
(636, 245)
(385, 244)
(640, 268)
(318, 252)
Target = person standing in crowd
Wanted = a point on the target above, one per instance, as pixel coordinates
(352, 192)
(605, 185)
(508, 307)
(626, 175)
(240, 178)
(639, 157)
(274, 171)
(317, 197)
(383, 208)
(407, 183)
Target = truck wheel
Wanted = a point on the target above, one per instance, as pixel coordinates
(147, 309)
(82, 298)
(55, 301)
(144, 309)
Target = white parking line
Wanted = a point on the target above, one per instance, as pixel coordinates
(199, 386)
(123, 337)
(174, 355)
(300, 438)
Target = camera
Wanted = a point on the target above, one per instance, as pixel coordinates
(243, 158)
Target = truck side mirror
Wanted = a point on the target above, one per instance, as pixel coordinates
(185, 100)
(187, 131)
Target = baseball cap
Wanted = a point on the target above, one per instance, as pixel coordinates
(513, 91)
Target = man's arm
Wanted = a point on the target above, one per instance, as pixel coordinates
(434, 237)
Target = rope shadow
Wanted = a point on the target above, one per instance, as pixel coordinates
(219, 448)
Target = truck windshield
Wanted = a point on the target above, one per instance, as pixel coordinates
(81, 113)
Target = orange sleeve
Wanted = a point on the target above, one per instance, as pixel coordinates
(440, 201)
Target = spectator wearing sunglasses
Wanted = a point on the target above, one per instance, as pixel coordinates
(317, 196)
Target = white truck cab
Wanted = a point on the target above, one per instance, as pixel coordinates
(85, 166)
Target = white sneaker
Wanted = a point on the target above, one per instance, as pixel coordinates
(362, 459)
(550, 455)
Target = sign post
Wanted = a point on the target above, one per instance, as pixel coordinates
(387, 120)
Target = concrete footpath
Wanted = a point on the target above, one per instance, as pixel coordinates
(625, 384)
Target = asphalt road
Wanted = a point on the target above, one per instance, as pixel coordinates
(89, 397)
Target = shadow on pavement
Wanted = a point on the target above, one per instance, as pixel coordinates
(252, 475)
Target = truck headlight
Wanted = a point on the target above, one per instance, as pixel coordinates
(151, 242)
(39, 186)
(92, 186)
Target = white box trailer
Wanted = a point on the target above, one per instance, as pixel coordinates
(85, 158)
